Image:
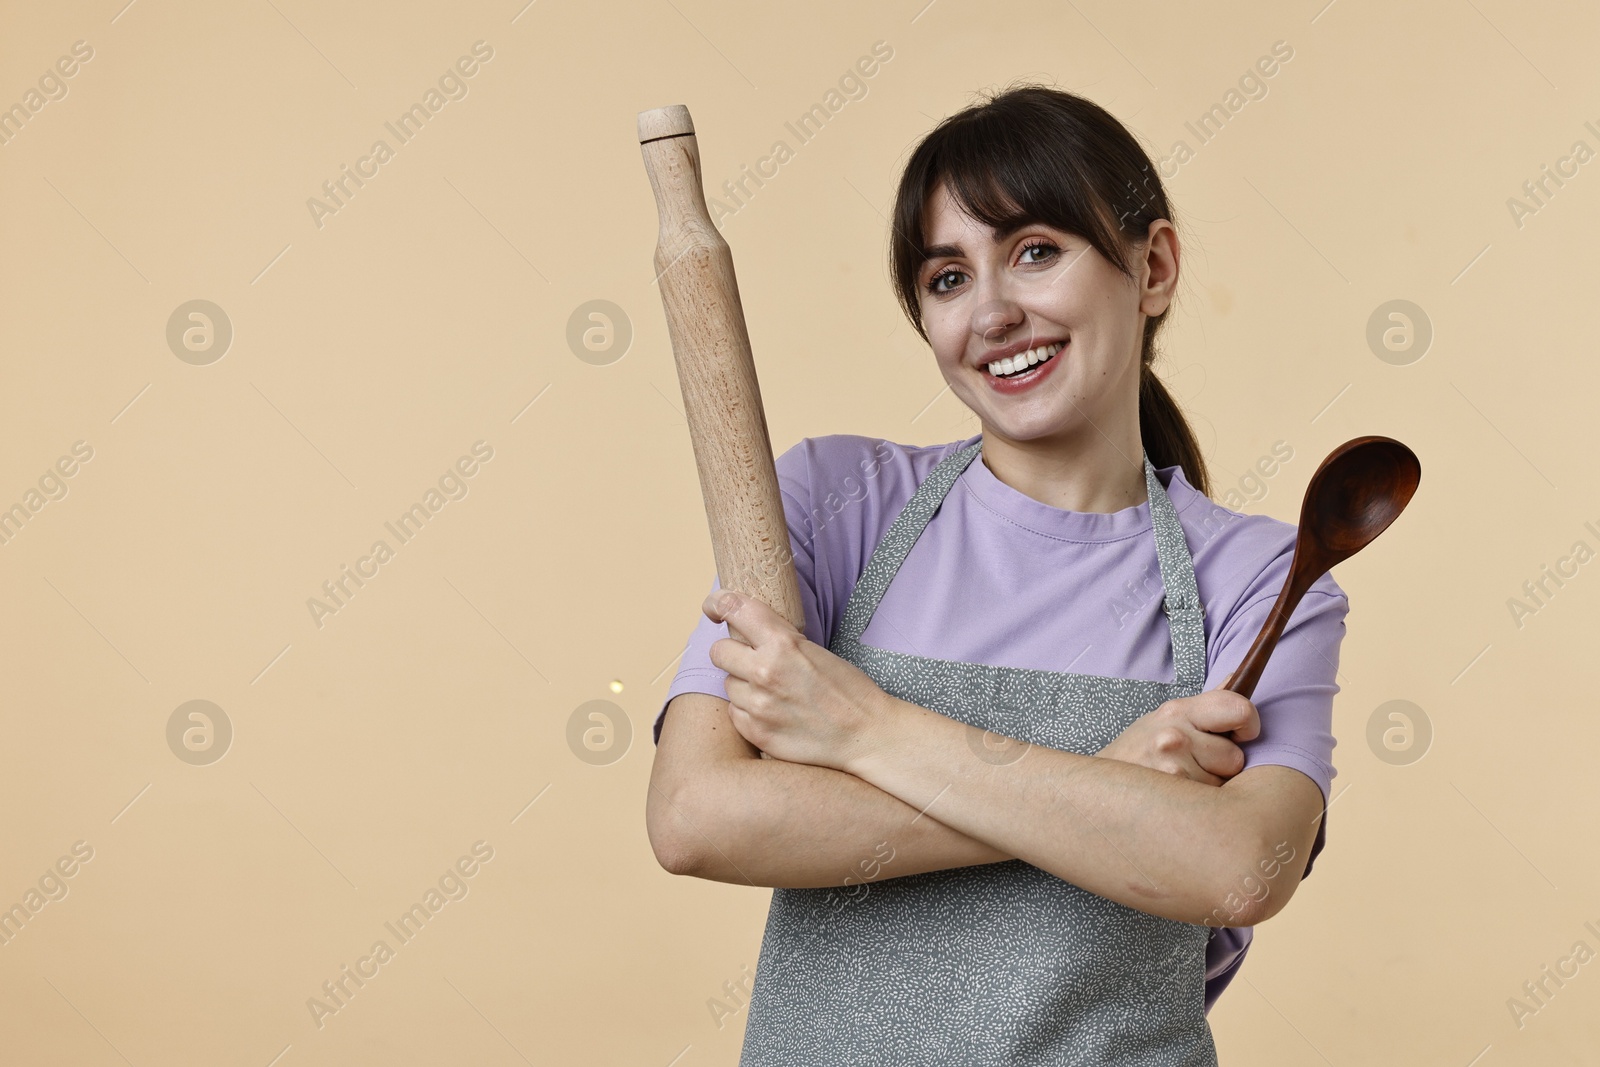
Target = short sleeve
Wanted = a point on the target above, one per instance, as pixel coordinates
(1294, 698)
(696, 672)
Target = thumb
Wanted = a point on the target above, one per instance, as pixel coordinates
(719, 604)
(754, 619)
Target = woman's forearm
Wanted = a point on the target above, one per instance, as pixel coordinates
(1151, 841)
(773, 823)
(768, 822)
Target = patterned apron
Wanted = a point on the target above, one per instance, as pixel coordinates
(999, 963)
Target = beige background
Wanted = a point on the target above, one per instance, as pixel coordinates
(431, 311)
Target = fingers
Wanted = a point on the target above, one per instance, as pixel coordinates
(734, 656)
(741, 720)
(1222, 711)
(1183, 751)
(1217, 755)
(749, 616)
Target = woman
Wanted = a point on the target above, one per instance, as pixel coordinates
(1009, 814)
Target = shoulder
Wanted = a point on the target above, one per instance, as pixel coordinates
(861, 455)
(1241, 559)
(831, 471)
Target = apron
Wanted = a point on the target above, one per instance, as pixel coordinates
(999, 963)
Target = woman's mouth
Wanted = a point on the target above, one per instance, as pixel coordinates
(1018, 372)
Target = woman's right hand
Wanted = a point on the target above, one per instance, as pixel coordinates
(1185, 737)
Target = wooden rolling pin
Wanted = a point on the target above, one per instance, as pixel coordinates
(717, 374)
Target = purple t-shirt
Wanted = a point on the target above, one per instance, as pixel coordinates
(1003, 579)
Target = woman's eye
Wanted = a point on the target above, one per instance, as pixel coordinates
(1042, 246)
(1046, 249)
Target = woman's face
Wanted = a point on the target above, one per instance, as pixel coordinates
(1040, 288)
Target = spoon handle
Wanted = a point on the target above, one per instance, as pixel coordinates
(1353, 496)
(1244, 678)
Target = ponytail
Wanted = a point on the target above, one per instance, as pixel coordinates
(1165, 434)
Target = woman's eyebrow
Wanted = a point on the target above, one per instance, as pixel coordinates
(938, 251)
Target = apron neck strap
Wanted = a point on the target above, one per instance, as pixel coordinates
(1185, 613)
(1182, 595)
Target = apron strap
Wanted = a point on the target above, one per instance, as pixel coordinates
(897, 541)
(1185, 613)
(1182, 600)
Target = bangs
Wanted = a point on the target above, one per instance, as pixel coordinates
(1035, 155)
(1028, 156)
(1004, 182)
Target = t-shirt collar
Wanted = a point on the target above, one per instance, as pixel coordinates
(1022, 510)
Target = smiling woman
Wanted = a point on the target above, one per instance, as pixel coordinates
(1071, 799)
(1054, 224)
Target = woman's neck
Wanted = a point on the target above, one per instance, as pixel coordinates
(1091, 475)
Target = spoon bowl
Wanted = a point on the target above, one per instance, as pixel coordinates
(1356, 492)
(1360, 489)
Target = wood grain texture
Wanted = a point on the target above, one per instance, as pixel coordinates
(1355, 493)
(717, 374)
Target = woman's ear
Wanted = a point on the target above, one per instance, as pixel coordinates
(1158, 262)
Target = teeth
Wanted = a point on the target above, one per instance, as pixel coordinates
(1024, 359)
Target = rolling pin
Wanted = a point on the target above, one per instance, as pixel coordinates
(717, 374)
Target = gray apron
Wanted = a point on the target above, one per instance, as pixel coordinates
(1000, 963)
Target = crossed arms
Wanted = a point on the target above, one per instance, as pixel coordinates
(1143, 823)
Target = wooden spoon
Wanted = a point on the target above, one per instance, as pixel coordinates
(1355, 494)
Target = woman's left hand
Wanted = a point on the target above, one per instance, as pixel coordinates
(789, 696)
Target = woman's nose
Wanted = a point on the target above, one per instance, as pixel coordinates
(994, 318)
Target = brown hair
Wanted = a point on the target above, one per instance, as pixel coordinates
(1037, 154)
